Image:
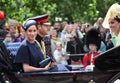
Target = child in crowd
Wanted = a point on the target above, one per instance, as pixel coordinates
(93, 41)
(59, 54)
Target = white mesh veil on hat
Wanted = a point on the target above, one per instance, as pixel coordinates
(113, 11)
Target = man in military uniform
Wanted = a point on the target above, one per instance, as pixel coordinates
(43, 36)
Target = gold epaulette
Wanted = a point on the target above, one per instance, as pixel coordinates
(42, 47)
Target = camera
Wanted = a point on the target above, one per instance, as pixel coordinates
(87, 25)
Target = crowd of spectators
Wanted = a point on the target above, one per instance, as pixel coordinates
(72, 36)
(61, 39)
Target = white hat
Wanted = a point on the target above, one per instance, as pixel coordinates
(47, 23)
(113, 11)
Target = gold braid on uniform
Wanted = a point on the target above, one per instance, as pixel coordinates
(54, 38)
(42, 47)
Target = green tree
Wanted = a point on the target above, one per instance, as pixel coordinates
(85, 10)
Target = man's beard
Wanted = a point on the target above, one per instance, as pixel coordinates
(43, 32)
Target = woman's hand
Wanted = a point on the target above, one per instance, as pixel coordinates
(47, 67)
(52, 64)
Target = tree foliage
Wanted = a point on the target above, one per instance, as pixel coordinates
(85, 10)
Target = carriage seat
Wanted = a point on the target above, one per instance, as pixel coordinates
(13, 48)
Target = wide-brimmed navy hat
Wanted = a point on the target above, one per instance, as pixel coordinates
(28, 23)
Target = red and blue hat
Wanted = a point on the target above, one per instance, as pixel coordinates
(40, 19)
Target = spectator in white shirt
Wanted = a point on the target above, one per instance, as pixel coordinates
(59, 54)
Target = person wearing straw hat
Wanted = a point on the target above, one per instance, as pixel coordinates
(112, 21)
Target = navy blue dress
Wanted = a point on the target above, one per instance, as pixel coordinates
(29, 53)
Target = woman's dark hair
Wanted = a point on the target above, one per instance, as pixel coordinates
(117, 18)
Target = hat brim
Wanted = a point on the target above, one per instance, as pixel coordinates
(47, 23)
(40, 19)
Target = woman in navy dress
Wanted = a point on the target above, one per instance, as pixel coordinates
(29, 54)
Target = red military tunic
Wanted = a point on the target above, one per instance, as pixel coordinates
(88, 58)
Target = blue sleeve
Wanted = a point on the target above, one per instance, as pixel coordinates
(22, 55)
(102, 47)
